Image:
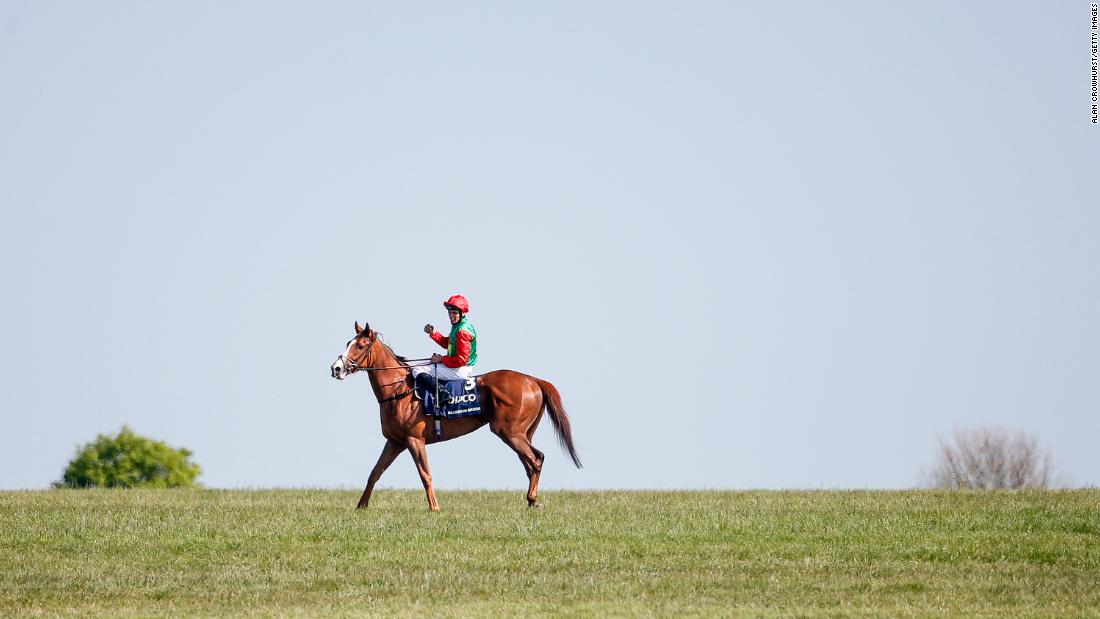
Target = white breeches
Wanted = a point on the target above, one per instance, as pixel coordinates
(443, 372)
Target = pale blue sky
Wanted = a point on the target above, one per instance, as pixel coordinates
(805, 238)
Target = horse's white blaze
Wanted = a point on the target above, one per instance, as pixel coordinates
(339, 366)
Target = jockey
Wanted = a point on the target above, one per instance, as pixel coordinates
(461, 347)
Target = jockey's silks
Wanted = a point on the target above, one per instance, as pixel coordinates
(454, 341)
(461, 345)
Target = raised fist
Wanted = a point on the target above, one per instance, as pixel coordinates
(429, 329)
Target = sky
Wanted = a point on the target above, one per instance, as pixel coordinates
(754, 245)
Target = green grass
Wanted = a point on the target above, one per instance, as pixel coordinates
(616, 553)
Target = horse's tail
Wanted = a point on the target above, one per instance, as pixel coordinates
(552, 399)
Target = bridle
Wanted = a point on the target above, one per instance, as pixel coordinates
(352, 367)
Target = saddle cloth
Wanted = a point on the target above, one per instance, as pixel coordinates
(465, 402)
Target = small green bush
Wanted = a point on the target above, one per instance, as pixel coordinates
(129, 461)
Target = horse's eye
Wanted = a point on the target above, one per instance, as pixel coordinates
(359, 346)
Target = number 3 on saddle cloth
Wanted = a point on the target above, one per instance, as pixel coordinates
(465, 399)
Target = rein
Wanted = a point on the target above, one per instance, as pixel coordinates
(395, 397)
(353, 367)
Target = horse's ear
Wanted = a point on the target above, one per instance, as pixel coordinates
(357, 329)
(366, 328)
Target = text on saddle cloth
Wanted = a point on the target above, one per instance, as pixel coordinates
(465, 399)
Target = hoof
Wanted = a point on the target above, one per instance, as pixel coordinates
(534, 505)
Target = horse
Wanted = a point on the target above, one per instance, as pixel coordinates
(511, 403)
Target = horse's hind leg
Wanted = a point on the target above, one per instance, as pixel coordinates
(532, 463)
(533, 481)
(389, 454)
(539, 456)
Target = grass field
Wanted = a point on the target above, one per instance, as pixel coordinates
(614, 553)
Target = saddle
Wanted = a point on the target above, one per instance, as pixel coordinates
(465, 399)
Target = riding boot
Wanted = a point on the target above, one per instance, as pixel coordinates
(428, 382)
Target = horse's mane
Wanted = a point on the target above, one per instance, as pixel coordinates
(402, 360)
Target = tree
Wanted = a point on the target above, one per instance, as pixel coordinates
(129, 461)
(991, 457)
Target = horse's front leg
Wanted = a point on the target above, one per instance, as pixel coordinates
(389, 454)
(420, 456)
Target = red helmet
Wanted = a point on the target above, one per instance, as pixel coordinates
(458, 302)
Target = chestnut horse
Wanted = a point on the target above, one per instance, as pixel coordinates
(511, 403)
